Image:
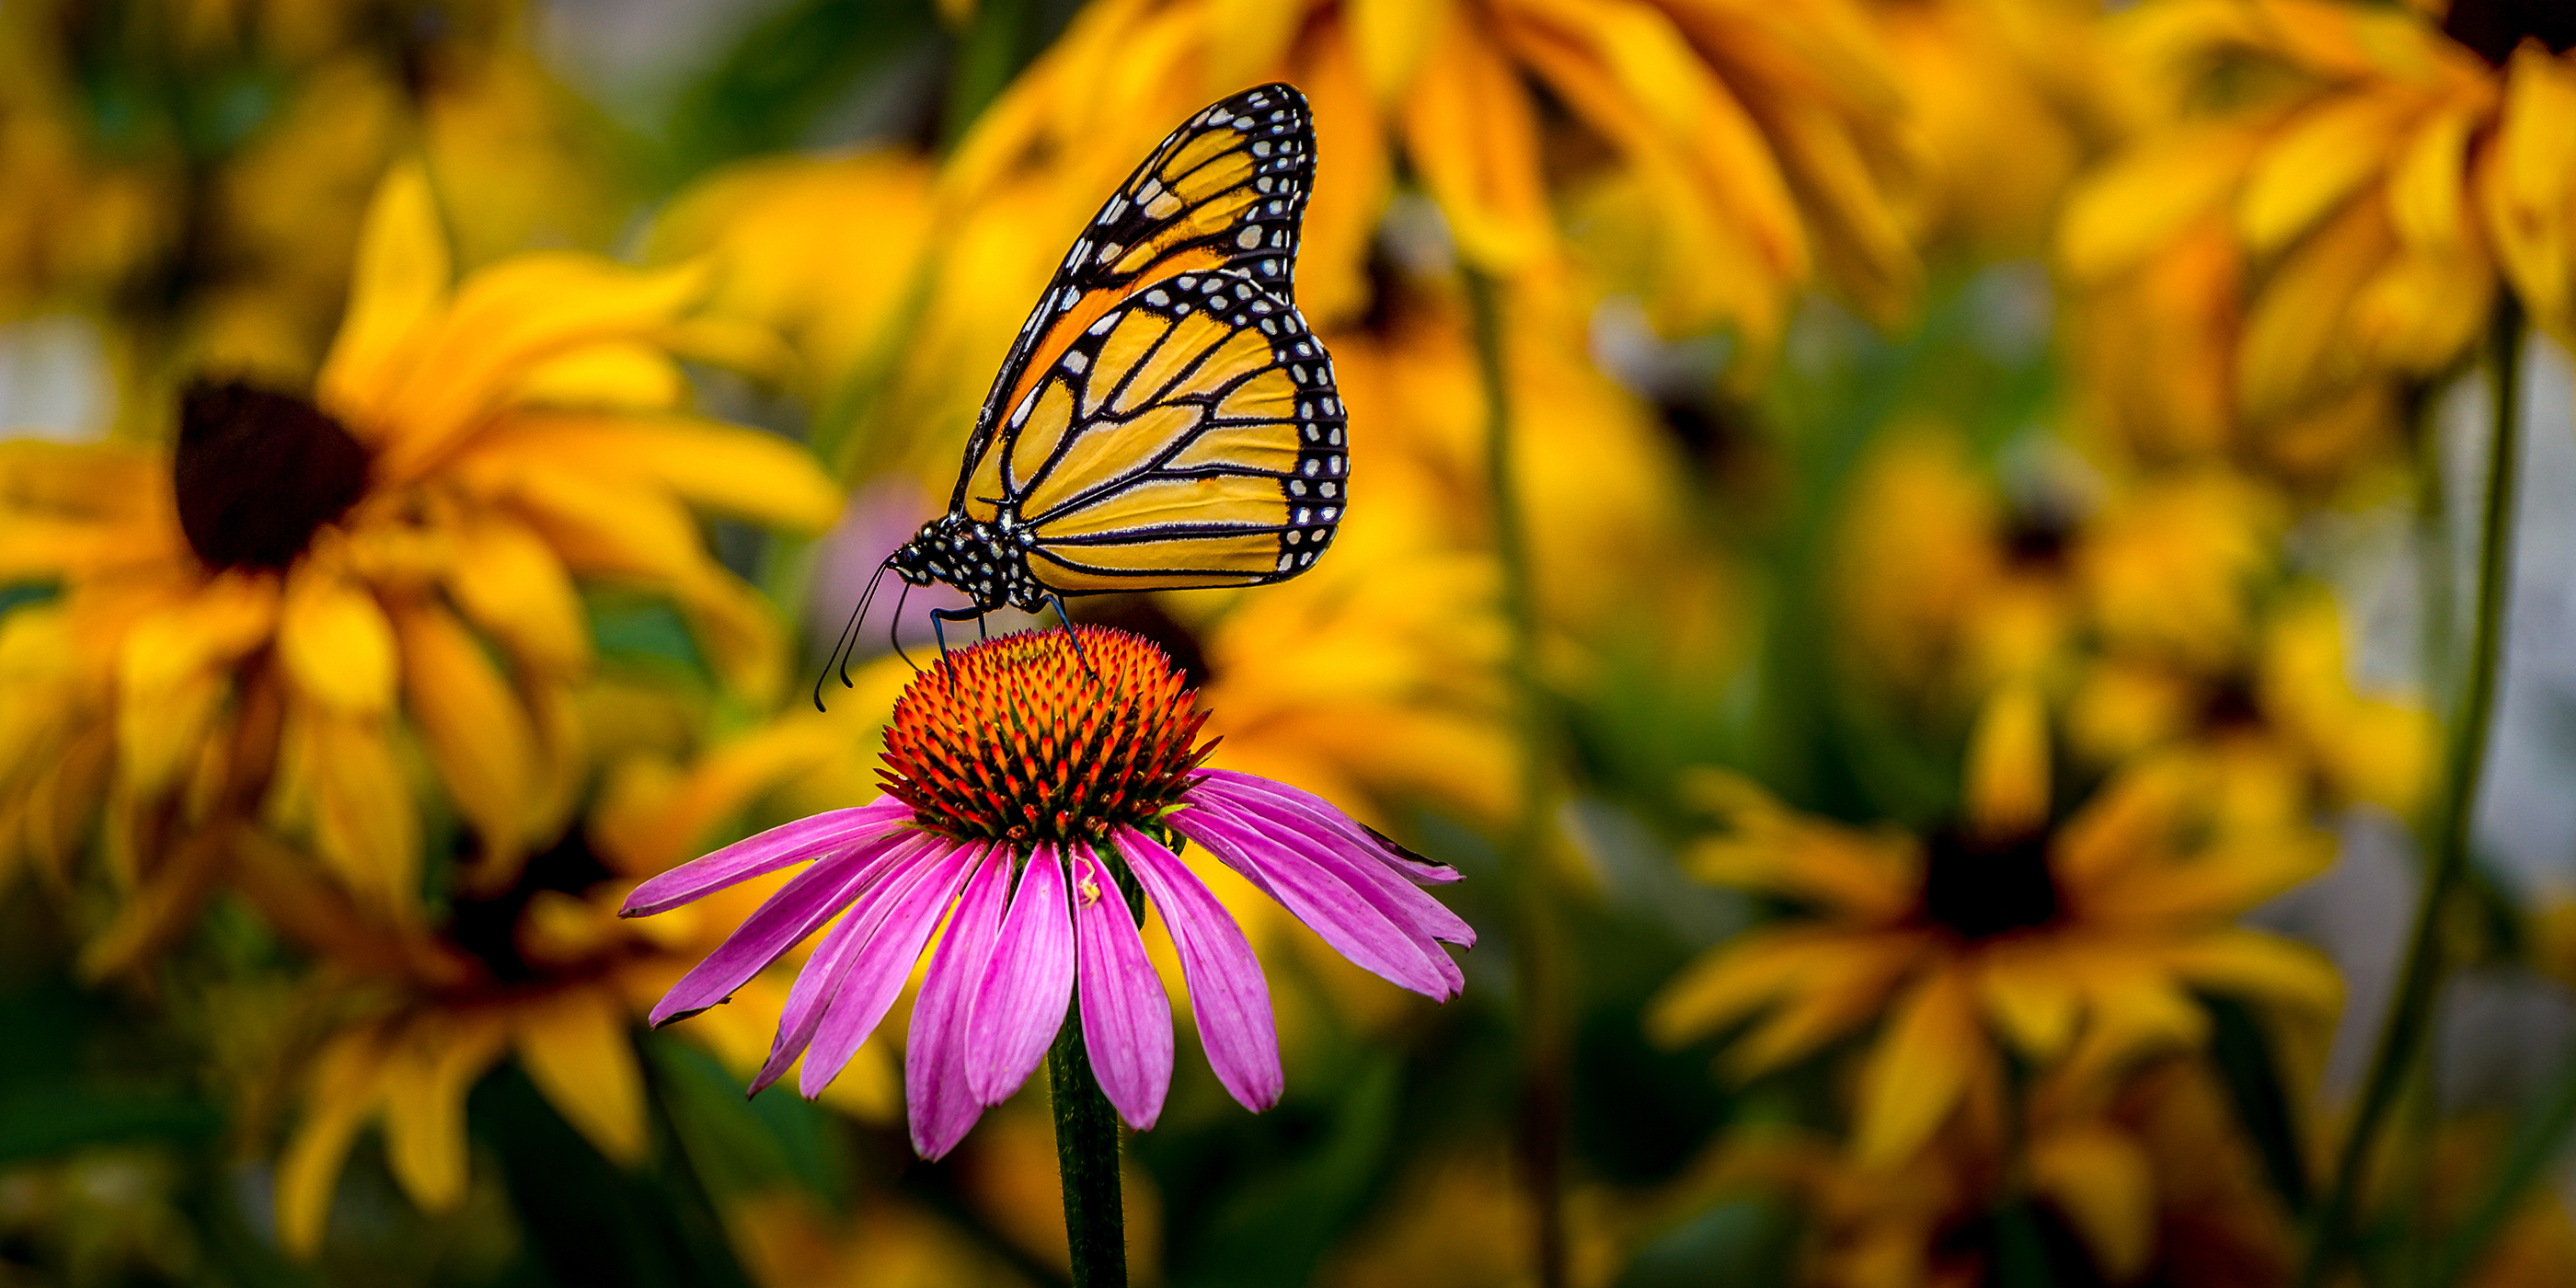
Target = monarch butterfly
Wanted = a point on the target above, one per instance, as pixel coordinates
(1166, 419)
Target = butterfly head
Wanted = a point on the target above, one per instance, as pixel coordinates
(988, 561)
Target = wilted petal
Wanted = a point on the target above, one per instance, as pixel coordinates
(1228, 997)
(1020, 1001)
(807, 901)
(941, 1105)
(768, 852)
(1126, 1020)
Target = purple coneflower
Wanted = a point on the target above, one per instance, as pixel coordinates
(1036, 802)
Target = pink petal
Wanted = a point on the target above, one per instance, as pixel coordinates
(1346, 920)
(776, 848)
(1243, 786)
(942, 1106)
(807, 901)
(1228, 996)
(878, 974)
(1294, 823)
(1126, 1020)
(828, 970)
(1020, 1001)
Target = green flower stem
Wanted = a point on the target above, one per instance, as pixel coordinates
(2464, 761)
(1537, 954)
(1086, 1155)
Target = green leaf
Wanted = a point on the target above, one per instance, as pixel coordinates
(2244, 1059)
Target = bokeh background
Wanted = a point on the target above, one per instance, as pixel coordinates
(1926, 558)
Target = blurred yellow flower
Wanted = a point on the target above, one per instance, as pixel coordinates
(2077, 945)
(2321, 216)
(258, 625)
(1762, 140)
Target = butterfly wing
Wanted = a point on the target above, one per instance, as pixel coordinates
(1227, 191)
(1190, 436)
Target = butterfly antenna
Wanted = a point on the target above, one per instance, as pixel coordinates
(894, 627)
(1072, 634)
(848, 641)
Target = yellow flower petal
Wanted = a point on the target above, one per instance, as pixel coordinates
(397, 283)
(645, 825)
(2530, 183)
(2321, 157)
(347, 1081)
(477, 732)
(170, 680)
(1837, 995)
(2024, 986)
(426, 1077)
(1392, 39)
(1736, 979)
(365, 826)
(1918, 1070)
(506, 319)
(2428, 184)
(1468, 129)
(732, 471)
(508, 580)
(2294, 351)
(2007, 773)
(2102, 1181)
(335, 642)
(575, 1047)
(2253, 964)
(632, 375)
(2147, 197)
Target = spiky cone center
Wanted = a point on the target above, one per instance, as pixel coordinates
(1017, 739)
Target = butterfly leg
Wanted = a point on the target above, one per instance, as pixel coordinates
(1070, 633)
(939, 619)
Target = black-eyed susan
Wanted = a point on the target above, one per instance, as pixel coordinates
(250, 628)
(2322, 215)
(2077, 945)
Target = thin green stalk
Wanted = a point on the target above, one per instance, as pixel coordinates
(2464, 761)
(1086, 1156)
(1536, 952)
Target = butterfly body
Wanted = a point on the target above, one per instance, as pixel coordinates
(1165, 418)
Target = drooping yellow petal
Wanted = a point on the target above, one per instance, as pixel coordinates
(2147, 197)
(1918, 1070)
(511, 584)
(335, 642)
(161, 909)
(347, 1081)
(2529, 183)
(170, 674)
(1392, 39)
(2103, 1183)
(575, 1047)
(399, 280)
(366, 828)
(2295, 349)
(1469, 130)
(2318, 159)
(1736, 979)
(477, 732)
(2024, 986)
(2428, 184)
(426, 1077)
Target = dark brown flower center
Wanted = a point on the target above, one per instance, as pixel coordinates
(259, 472)
(1980, 889)
(2494, 27)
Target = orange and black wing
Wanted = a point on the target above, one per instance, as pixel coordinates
(1190, 436)
(1226, 192)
